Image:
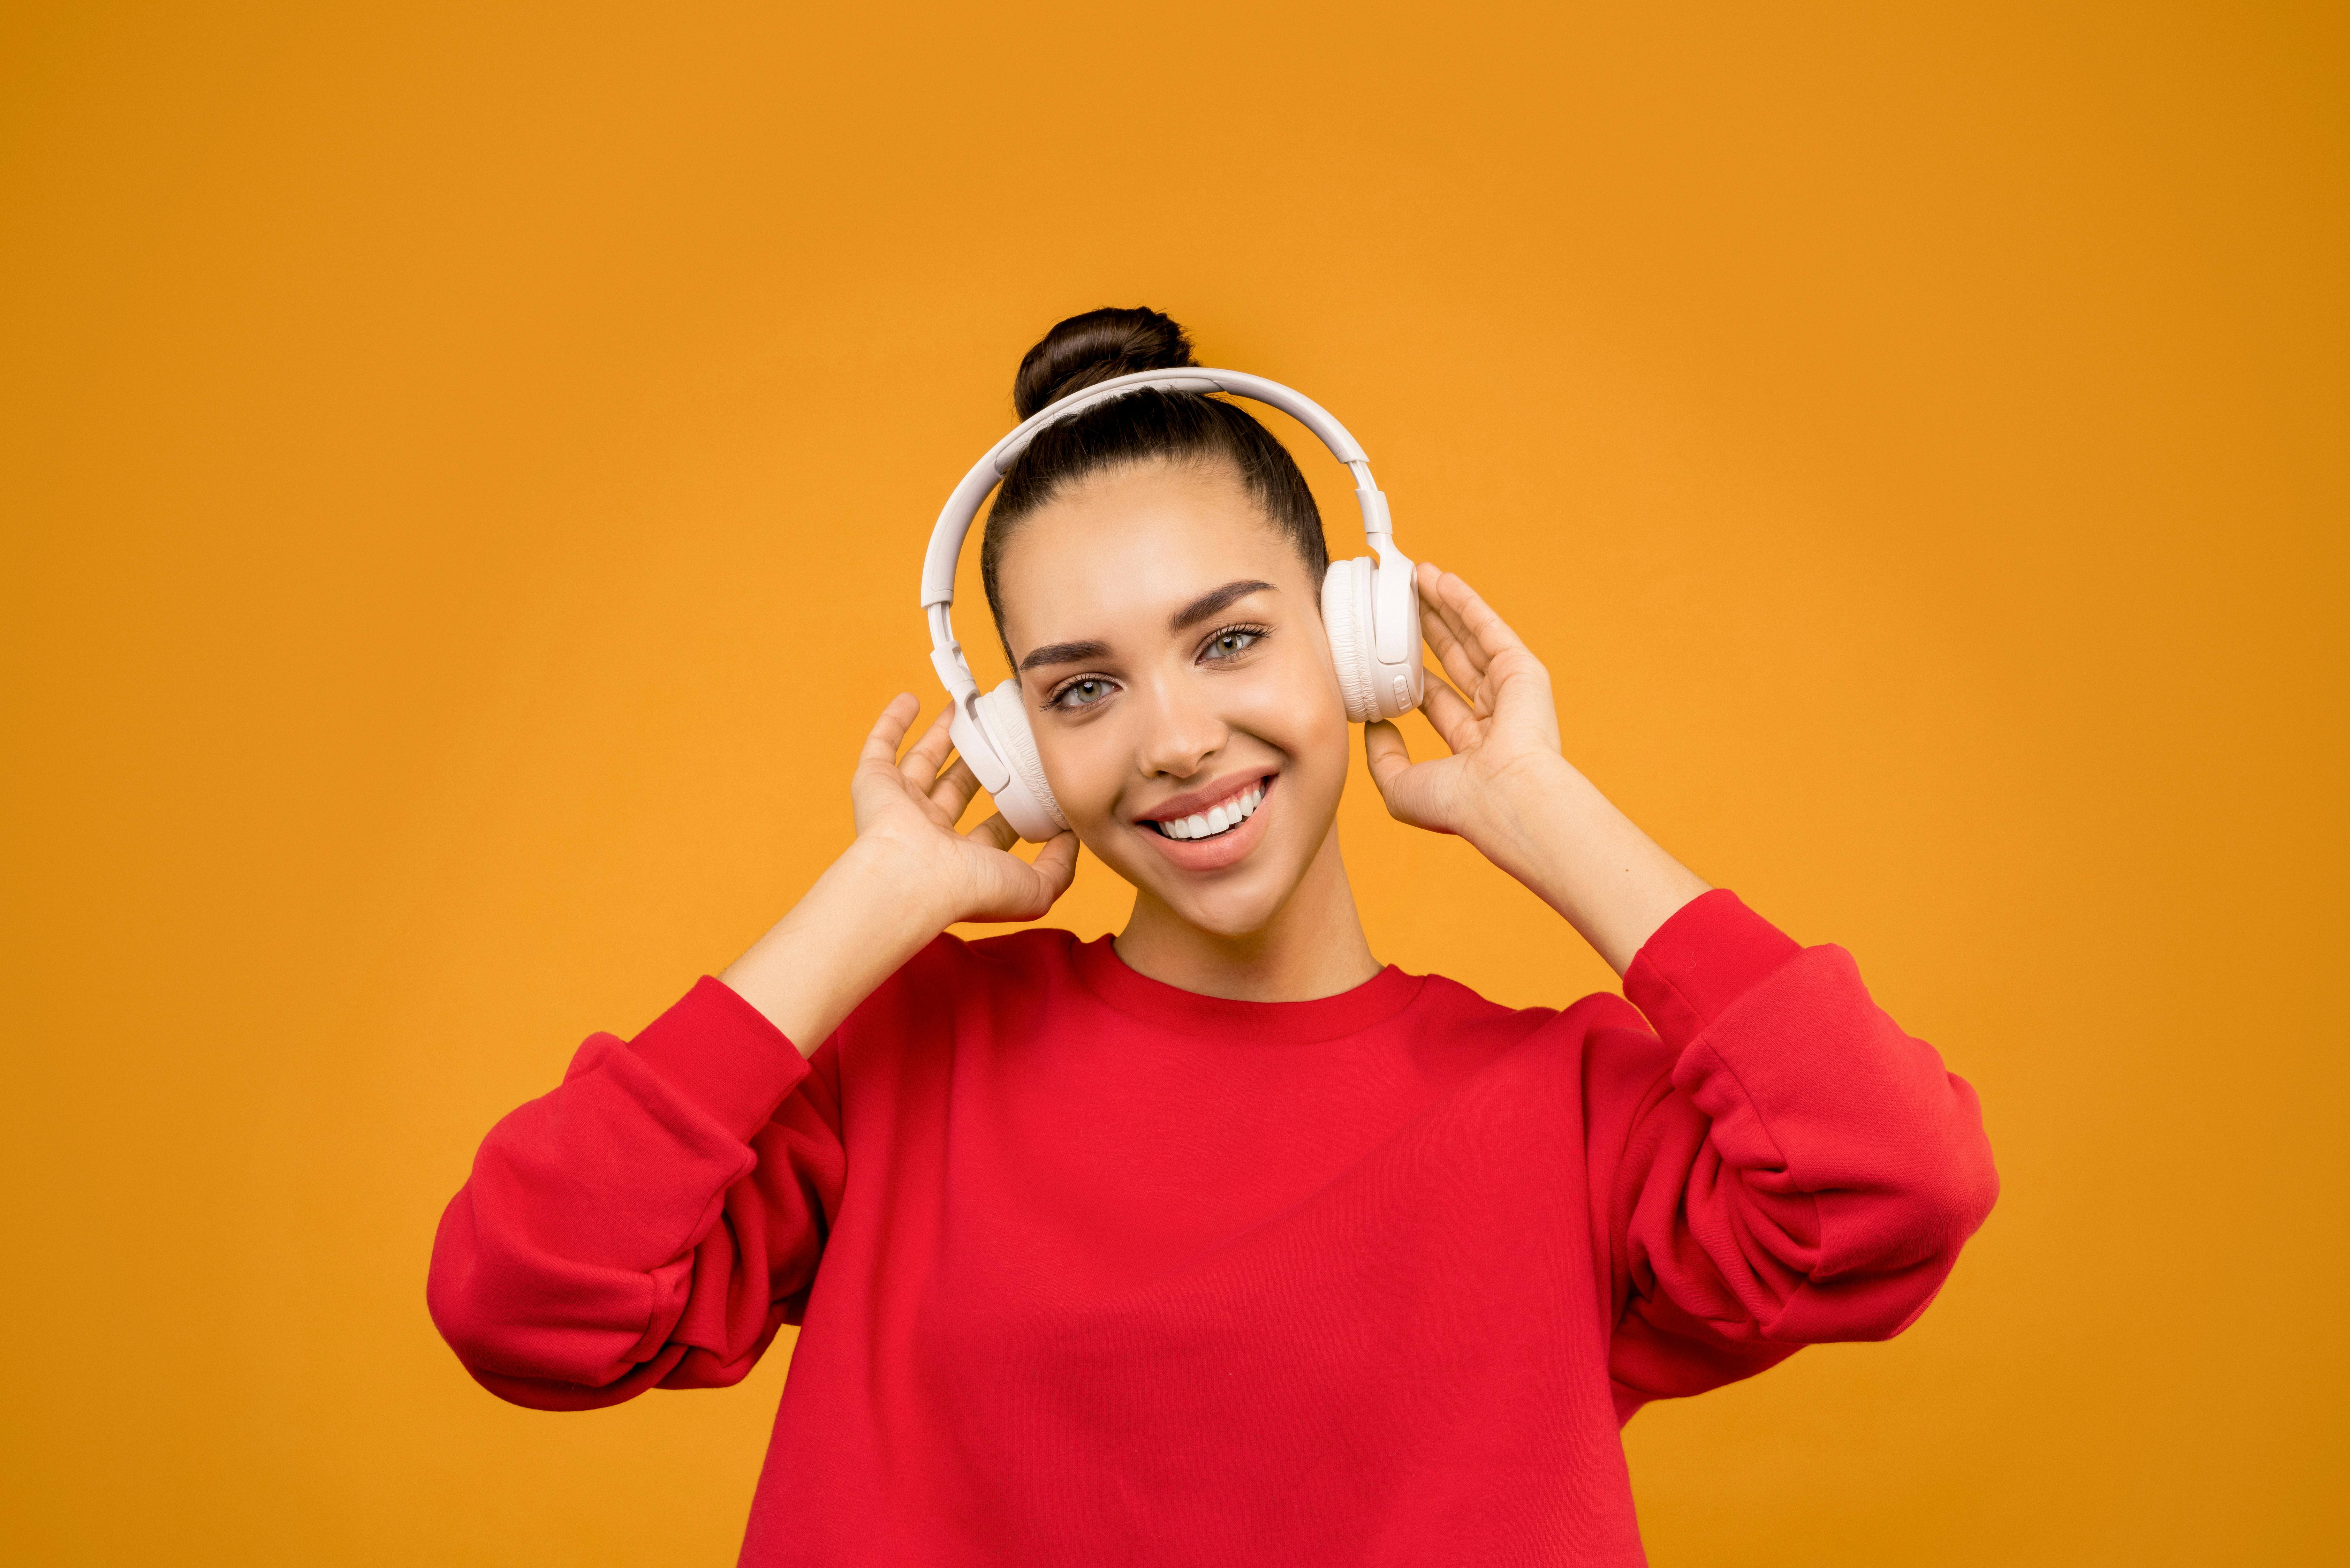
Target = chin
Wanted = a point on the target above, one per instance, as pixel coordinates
(1234, 915)
(1238, 902)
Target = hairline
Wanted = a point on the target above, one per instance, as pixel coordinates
(1204, 459)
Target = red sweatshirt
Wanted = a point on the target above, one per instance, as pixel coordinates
(1090, 1270)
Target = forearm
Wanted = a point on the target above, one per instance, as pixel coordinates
(610, 1228)
(867, 914)
(1551, 828)
(1823, 1166)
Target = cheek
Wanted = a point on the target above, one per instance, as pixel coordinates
(1088, 767)
(1298, 709)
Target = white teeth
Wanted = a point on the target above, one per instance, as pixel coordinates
(1218, 819)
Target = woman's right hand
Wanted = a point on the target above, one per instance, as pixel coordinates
(907, 876)
(907, 809)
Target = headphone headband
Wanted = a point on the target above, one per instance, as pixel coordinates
(963, 506)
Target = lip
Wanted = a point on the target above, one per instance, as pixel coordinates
(1201, 799)
(1226, 848)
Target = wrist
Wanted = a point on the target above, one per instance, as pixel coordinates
(896, 881)
(869, 912)
(1549, 826)
(1518, 807)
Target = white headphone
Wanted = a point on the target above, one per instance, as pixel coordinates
(1370, 610)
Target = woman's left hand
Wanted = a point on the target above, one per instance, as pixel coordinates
(1508, 791)
(1499, 723)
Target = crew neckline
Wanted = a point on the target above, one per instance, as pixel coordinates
(1131, 991)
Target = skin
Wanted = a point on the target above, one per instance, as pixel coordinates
(1187, 663)
(1170, 651)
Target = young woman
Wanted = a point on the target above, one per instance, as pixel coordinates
(1217, 1242)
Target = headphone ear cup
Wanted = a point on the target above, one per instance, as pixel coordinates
(1347, 618)
(1025, 800)
(1399, 697)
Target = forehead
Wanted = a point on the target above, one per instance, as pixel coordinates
(1112, 556)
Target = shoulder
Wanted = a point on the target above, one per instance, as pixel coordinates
(1448, 1002)
(958, 996)
(951, 974)
(1009, 958)
(1600, 1039)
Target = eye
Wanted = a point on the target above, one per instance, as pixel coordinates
(1232, 641)
(1082, 692)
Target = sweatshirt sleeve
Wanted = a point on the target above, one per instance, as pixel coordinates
(652, 1220)
(1800, 1170)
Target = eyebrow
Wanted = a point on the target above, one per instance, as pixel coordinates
(1064, 653)
(1198, 610)
(1214, 600)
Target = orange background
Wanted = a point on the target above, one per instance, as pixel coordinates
(465, 477)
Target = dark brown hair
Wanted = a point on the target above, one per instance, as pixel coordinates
(1141, 427)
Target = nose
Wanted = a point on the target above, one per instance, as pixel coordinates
(1181, 730)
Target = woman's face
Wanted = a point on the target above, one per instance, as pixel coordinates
(1169, 648)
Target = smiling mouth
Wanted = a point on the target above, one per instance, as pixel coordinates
(1221, 817)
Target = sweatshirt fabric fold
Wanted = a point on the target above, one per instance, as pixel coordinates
(1091, 1269)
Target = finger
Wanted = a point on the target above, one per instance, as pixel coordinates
(1057, 863)
(881, 745)
(1462, 660)
(954, 789)
(1483, 624)
(1522, 694)
(1452, 719)
(1385, 753)
(924, 757)
(1445, 619)
(1405, 785)
(995, 833)
(1026, 897)
(1451, 651)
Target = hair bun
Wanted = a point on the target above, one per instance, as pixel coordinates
(1088, 350)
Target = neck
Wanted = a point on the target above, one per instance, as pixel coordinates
(1313, 947)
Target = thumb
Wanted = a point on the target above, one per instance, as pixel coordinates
(1057, 864)
(1385, 753)
(1410, 800)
